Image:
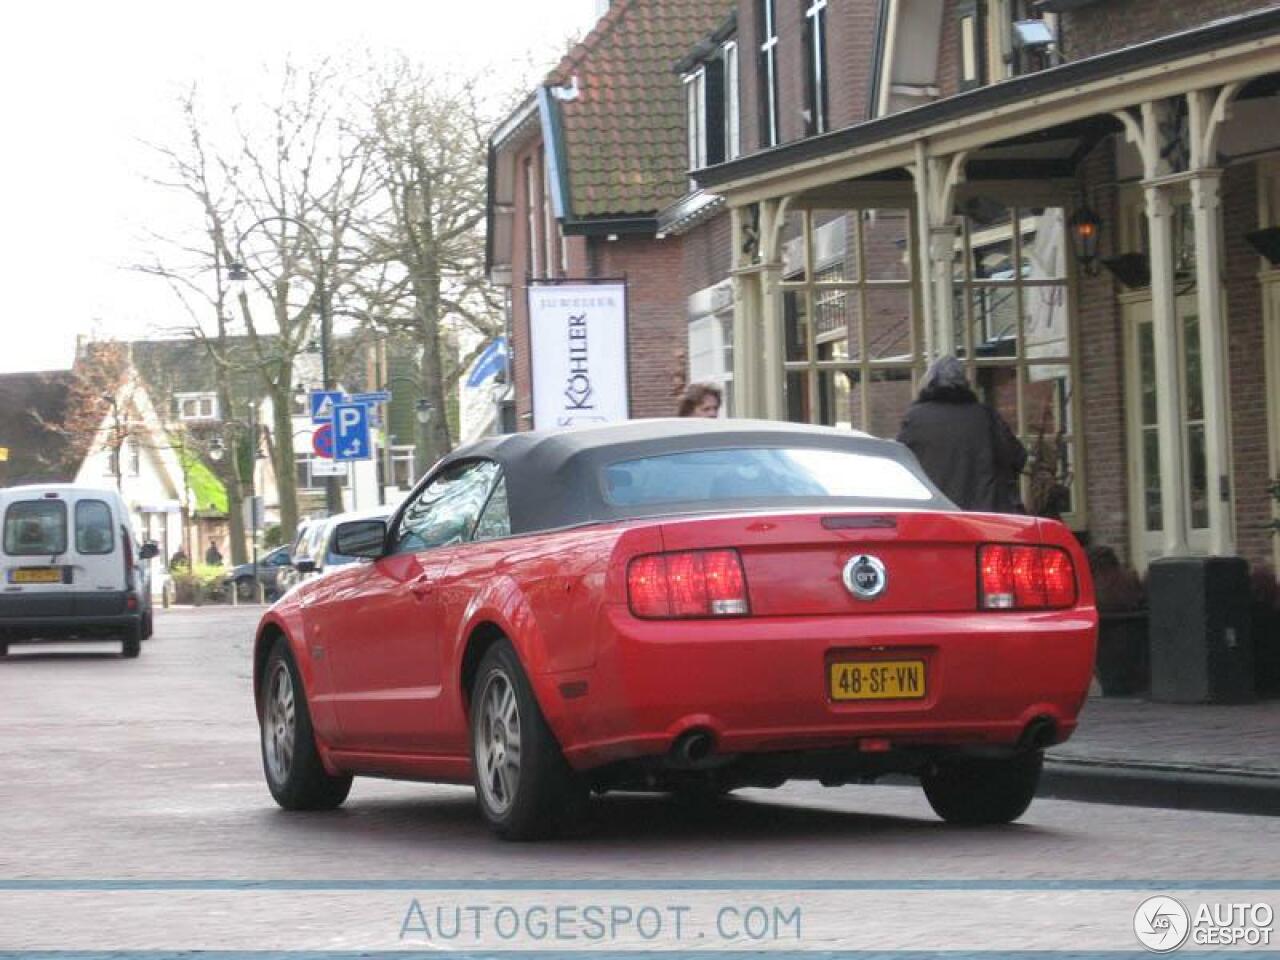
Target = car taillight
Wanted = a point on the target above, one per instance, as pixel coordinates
(690, 583)
(1014, 577)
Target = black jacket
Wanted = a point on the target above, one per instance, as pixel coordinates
(967, 450)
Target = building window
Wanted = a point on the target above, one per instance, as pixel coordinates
(310, 479)
(402, 467)
(711, 109)
(531, 210)
(732, 123)
(549, 225)
(132, 457)
(767, 27)
(972, 48)
(815, 54)
(695, 105)
(197, 406)
(711, 340)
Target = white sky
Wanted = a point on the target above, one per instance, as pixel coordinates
(81, 83)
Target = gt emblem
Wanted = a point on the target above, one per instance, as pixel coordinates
(865, 576)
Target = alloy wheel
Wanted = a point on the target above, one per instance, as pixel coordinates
(279, 725)
(497, 743)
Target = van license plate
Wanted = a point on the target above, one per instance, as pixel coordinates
(877, 680)
(36, 575)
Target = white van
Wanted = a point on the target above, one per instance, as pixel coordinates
(71, 569)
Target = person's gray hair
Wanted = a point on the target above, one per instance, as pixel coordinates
(945, 373)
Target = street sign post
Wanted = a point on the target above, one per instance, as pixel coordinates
(322, 402)
(351, 439)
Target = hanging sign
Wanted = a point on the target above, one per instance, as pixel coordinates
(578, 348)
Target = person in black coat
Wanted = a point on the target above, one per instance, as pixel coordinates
(964, 446)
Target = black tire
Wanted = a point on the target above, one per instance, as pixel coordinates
(4, 649)
(148, 626)
(246, 590)
(982, 790)
(131, 646)
(291, 762)
(538, 796)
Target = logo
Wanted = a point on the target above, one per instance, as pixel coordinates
(865, 576)
(1161, 924)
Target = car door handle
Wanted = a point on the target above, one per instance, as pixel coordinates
(420, 587)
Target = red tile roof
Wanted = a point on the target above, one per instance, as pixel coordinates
(625, 142)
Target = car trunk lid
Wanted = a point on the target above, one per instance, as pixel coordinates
(795, 563)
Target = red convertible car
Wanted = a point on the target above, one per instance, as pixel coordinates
(688, 606)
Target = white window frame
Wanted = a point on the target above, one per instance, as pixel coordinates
(402, 454)
(531, 197)
(816, 69)
(732, 114)
(695, 105)
(181, 399)
(768, 23)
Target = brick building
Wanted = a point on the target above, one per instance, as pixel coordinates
(578, 175)
(910, 177)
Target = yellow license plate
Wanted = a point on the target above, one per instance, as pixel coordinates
(37, 575)
(877, 680)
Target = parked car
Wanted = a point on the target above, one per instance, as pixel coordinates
(683, 605)
(241, 578)
(72, 569)
(316, 552)
(289, 577)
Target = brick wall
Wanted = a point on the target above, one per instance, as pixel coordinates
(949, 51)
(1120, 23)
(1247, 361)
(520, 269)
(851, 29)
(1101, 351)
(707, 253)
(851, 37)
(657, 339)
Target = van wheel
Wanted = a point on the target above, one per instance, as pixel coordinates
(4, 649)
(290, 759)
(525, 788)
(983, 790)
(132, 645)
(147, 626)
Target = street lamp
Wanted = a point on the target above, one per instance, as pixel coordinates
(237, 272)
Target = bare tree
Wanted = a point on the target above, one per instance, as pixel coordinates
(276, 193)
(424, 237)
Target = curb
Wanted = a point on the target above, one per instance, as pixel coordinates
(1153, 785)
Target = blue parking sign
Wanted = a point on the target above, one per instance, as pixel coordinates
(351, 432)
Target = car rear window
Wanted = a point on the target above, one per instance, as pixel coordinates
(93, 528)
(35, 528)
(760, 473)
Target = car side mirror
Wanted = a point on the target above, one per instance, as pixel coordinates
(149, 550)
(304, 565)
(360, 538)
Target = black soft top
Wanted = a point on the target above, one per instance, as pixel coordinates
(555, 477)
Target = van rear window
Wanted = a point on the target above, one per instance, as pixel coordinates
(35, 528)
(93, 528)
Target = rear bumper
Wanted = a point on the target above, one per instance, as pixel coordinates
(52, 617)
(760, 685)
